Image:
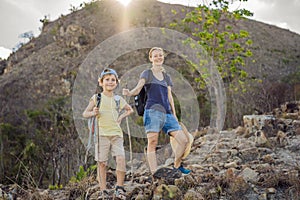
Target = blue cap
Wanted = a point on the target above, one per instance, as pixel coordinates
(108, 71)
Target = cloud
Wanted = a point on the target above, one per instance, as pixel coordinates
(17, 17)
(277, 12)
(15, 20)
(280, 12)
(4, 53)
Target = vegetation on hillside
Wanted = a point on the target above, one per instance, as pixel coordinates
(213, 27)
(40, 151)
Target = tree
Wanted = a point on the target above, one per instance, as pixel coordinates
(51, 143)
(44, 149)
(214, 27)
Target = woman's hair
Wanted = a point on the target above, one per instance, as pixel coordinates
(154, 48)
(150, 55)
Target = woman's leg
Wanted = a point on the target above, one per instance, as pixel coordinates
(101, 175)
(151, 151)
(182, 141)
(121, 170)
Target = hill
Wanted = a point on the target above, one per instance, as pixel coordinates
(46, 67)
(37, 82)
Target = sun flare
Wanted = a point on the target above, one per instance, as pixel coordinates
(124, 2)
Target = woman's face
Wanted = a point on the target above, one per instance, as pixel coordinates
(157, 57)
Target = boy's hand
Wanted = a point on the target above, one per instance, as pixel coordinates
(95, 111)
(119, 120)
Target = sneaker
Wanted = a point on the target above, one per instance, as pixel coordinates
(120, 192)
(184, 170)
(104, 194)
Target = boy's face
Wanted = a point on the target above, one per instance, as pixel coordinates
(108, 82)
(157, 57)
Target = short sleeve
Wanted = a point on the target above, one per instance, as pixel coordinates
(169, 80)
(122, 102)
(93, 98)
(145, 75)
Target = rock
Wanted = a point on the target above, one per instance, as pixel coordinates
(292, 115)
(296, 123)
(249, 175)
(271, 190)
(263, 168)
(268, 159)
(263, 196)
(3, 195)
(193, 195)
(141, 196)
(249, 154)
(136, 163)
(281, 139)
(261, 140)
(167, 192)
(255, 123)
(169, 161)
(231, 165)
(297, 131)
(180, 183)
(240, 130)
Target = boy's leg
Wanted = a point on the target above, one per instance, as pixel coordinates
(121, 170)
(151, 151)
(101, 175)
(118, 151)
(102, 149)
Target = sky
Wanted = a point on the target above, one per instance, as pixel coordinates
(20, 16)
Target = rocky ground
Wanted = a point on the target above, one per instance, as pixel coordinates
(257, 161)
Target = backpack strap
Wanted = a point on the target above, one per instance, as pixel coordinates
(165, 75)
(117, 100)
(149, 79)
(98, 100)
(93, 127)
(150, 76)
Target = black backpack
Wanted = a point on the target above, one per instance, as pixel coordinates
(141, 99)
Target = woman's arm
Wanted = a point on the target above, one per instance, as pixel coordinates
(136, 90)
(91, 110)
(171, 100)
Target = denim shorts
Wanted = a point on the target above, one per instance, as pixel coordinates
(155, 121)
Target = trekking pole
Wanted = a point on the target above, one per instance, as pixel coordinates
(130, 146)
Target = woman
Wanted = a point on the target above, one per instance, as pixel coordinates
(160, 111)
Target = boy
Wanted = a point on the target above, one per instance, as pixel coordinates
(110, 135)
